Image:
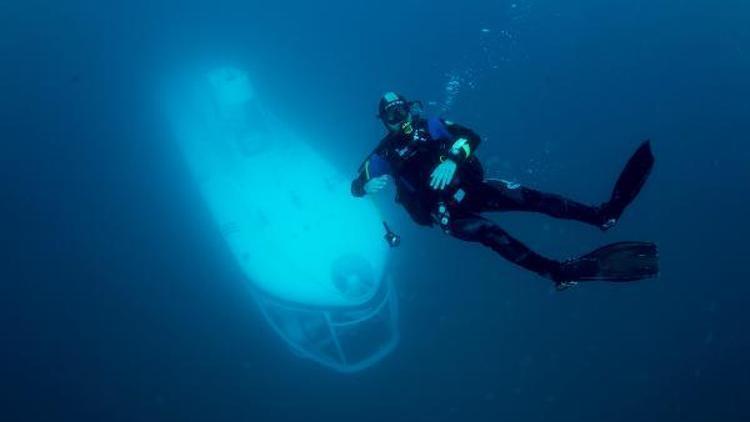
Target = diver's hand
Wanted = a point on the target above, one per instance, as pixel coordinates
(376, 184)
(443, 174)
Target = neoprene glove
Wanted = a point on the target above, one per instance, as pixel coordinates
(376, 184)
(443, 174)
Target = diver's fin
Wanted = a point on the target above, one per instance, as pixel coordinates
(622, 261)
(629, 184)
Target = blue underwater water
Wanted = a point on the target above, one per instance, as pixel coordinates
(120, 301)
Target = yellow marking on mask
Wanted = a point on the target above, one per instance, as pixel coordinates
(407, 128)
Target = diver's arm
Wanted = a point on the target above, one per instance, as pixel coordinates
(464, 142)
(371, 176)
(358, 184)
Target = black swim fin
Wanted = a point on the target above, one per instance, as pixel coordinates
(618, 262)
(629, 184)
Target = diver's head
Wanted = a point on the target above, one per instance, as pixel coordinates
(395, 112)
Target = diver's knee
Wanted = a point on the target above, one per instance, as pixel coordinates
(502, 184)
(471, 230)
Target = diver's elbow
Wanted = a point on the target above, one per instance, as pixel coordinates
(357, 189)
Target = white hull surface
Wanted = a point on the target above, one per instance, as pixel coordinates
(314, 254)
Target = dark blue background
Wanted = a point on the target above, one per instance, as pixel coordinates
(119, 300)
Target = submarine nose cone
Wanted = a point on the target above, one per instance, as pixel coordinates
(354, 277)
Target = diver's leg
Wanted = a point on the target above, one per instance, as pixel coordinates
(475, 228)
(618, 262)
(499, 195)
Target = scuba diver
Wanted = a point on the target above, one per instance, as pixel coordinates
(440, 181)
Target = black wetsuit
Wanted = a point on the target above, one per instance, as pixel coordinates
(410, 160)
